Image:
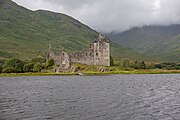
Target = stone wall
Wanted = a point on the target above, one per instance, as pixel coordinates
(97, 54)
(61, 59)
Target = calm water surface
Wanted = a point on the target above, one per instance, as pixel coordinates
(114, 97)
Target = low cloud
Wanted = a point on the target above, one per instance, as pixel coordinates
(113, 15)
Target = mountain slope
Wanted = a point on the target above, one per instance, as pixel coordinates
(157, 41)
(27, 34)
(170, 49)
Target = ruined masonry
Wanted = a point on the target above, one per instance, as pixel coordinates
(97, 54)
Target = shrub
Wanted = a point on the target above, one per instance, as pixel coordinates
(28, 67)
(1, 62)
(1, 68)
(177, 67)
(49, 63)
(37, 67)
(158, 66)
(8, 70)
(150, 66)
(16, 64)
(139, 65)
(168, 66)
(125, 63)
(142, 65)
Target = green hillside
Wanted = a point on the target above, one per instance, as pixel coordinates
(27, 34)
(169, 50)
(162, 42)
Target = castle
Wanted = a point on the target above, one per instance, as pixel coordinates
(97, 54)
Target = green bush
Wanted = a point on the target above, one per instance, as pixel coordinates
(16, 64)
(111, 61)
(177, 67)
(1, 62)
(158, 66)
(49, 63)
(125, 63)
(150, 66)
(138, 65)
(9, 70)
(28, 67)
(1, 68)
(37, 67)
(168, 66)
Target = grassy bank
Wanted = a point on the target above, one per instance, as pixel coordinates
(36, 74)
(96, 73)
(135, 72)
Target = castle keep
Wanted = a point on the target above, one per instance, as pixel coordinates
(97, 54)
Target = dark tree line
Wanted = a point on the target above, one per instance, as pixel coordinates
(14, 65)
(127, 63)
(168, 66)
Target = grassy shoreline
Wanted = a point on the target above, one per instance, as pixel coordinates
(91, 73)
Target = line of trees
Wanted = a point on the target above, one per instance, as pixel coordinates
(127, 63)
(168, 66)
(14, 65)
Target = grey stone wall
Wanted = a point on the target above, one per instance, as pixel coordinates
(61, 59)
(97, 54)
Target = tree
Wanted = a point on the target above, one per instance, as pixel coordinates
(168, 66)
(19, 66)
(16, 64)
(9, 70)
(134, 65)
(49, 63)
(1, 62)
(111, 61)
(125, 63)
(37, 67)
(142, 65)
(150, 66)
(10, 63)
(138, 65)
(158, 66)
(28, 67)
(1, 68)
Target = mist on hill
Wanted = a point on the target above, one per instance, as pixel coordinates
(113, 15)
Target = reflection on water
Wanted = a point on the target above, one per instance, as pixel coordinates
(114, 97)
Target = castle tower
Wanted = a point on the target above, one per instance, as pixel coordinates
(101, 49)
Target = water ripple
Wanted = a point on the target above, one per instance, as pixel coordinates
(114, 97)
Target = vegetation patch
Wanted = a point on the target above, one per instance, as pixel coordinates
(43, 67)
(5, 54)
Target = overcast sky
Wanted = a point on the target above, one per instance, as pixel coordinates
(112, 15)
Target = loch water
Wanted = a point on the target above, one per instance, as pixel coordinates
(112, 97)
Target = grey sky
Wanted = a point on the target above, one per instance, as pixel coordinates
(113, 15)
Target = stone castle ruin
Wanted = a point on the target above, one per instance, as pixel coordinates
(97, 54)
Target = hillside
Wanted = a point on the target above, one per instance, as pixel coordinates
(170, 49)
(162, 42)
(26, 34)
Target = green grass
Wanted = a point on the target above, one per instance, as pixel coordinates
(93, 73)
